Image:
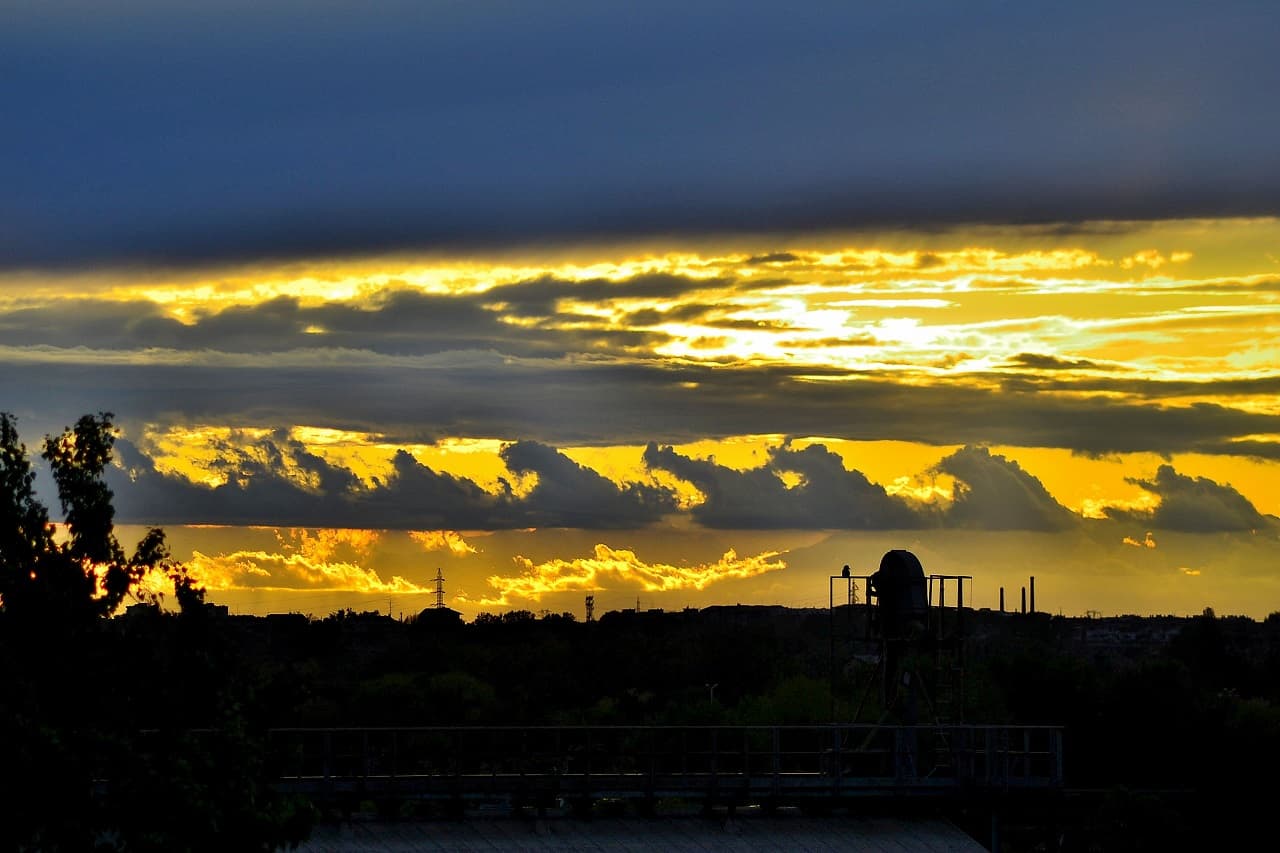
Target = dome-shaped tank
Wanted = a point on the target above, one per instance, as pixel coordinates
(901, 595)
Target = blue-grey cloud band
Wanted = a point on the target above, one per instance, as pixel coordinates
(484, 394)
(162, 133)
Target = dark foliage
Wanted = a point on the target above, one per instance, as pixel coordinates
(126, 733)
(1165, 718)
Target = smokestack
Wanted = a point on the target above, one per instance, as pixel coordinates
(1001, 599)
(1033, 593)
(1024, 599)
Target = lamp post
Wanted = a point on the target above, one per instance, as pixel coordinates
(712, 688)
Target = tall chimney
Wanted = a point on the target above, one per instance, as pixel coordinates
(1024, 599)
(1001, 599)
(1033, 593)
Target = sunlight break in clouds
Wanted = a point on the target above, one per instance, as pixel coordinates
(590, 573)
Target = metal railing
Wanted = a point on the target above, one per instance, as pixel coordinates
(626, 761)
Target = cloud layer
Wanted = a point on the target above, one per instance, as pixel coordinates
(264, 570)
(1194, 505)
(851, 344)
(608, 567)
(825, 495)
(277, 480)
(166, 133)
(585, 402)
(994, 493)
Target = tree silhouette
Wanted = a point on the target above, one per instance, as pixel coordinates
(92, 755)
(67, 584)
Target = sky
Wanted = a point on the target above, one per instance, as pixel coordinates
(669, 304)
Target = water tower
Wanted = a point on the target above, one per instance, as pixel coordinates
(905, 638)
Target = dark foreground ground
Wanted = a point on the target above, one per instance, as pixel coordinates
(688, 833)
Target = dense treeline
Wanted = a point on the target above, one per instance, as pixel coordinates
(1168, 721)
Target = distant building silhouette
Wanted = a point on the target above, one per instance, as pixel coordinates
(438, 617)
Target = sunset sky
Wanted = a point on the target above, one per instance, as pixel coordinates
(686, 303)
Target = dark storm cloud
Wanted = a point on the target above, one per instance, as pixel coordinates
(827, 496)
(90, 323)
(1151, 389)
(689, 312)
(852, 340)
(255, 491)
(991, 493)
(994, 493)
(571, 495)
(749, 325)
(1194, 505)
(1264, 450)
(391, 321)
(159, 132)
(772, 258)
(395, 322)
(1039, 361)
(579, 401)
(540, 296)
(277, 481)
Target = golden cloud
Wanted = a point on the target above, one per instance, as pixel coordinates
(618, 565)
(210, 455)
(320, 544)
(1154, 259)
(265, 570)
(442, 540)
(1148, 542)
(1098, 507)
